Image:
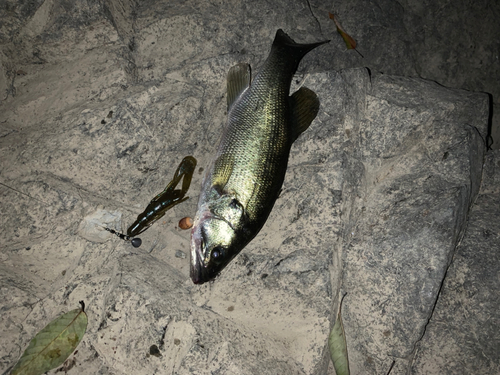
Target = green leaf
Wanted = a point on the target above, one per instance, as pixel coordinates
(338, 345)
(53, 344)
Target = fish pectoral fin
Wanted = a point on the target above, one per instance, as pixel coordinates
(305, 107)
(238, 80)
(223, 168)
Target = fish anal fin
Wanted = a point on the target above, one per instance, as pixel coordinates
(238, 80)
(305, 107)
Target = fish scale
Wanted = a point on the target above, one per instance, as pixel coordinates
(246, 175)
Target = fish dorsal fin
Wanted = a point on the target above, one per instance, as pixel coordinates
(238, 79)
(305, 107)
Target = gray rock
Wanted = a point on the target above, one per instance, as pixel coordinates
(100, 108)
(462, 335)
(413, 166)
(92, 227)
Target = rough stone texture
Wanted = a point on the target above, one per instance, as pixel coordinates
(103, 99)
(467, 312)
(407, 189)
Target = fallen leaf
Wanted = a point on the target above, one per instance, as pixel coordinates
(349, 41)
(53, 344)
(338, 346)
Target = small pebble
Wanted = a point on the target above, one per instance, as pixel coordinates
(186, 223)
(180, 254)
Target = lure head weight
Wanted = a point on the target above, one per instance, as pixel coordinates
(136, 242)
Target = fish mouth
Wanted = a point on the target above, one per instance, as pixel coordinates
(196, 274)
(201, 275)
(197, 269)
(202, 270)
(196, 243)
(199, 272)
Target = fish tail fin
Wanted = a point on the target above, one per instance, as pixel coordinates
(295, 50)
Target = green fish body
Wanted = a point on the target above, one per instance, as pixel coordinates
(248, 170)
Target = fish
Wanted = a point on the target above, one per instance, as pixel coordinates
(247, 171)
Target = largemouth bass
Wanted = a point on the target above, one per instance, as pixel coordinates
(245, 178)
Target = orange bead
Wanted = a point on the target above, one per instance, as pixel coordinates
(186, 223)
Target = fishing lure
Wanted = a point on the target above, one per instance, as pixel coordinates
(136, 242)
(163, 202)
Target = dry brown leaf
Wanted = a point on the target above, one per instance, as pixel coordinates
(349, 40)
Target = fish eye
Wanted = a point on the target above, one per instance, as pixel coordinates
(217, 254)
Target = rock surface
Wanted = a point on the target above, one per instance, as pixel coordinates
(105, 99)
(467, 311)
(414, 167)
